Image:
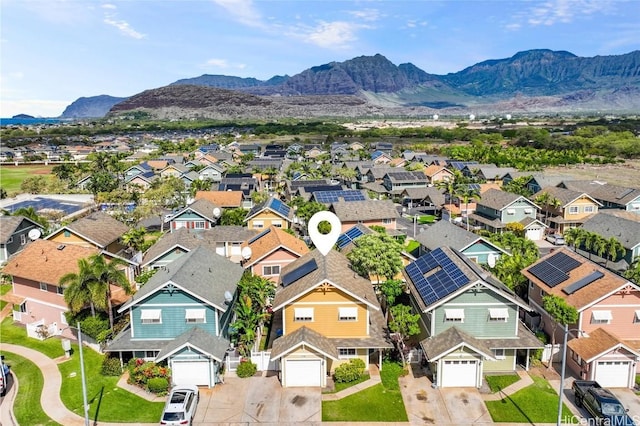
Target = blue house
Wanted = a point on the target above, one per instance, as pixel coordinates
(182, 316)
(469, 320)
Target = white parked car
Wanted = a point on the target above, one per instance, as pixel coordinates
(181, 404)
(556, 239)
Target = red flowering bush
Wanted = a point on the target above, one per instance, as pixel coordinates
(141, 371)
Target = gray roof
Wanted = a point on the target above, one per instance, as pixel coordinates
(492, 172)
(378, 172)
(564, 195)
(198, 339)
(438, 346)
(446, 233)
(497, 199)
(9, 224)
(99, 227)
(621, 195)
(432, 193)
(349, 211)
(401, 175)
(203, 207)
(545, 180)
(609, 225)
(201, 272)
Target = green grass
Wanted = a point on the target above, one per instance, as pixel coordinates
(10, 333)
(537, 403)
(27, 407)
(412, 245)
(11, 176)
(3, 303)
(379, 403)
(340, 386)
(5, 288)
(497, 383)
(428, 218)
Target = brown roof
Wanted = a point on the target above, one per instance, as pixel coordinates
(598, 342)
(98, 228)
(221, 198)
(270, 240)
(47, 261)
(157, 164)
(300, 337)
(583, 297)
(434, 168)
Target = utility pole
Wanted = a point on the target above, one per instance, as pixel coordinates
(84, 381)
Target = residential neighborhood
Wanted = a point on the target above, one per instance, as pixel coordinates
(198, 268)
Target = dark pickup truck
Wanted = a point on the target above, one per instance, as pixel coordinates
(601, 404)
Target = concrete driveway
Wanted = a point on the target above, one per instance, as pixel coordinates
(448, 406)
(258, 400)
(629, 400)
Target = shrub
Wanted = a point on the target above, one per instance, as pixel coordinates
(111, 367)
(158, 385)
(140, 371)
(246, 369)
(93, 326)
(348, 372)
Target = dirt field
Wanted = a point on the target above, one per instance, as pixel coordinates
(623, 174)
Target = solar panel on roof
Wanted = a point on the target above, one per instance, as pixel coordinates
(583, 282)
(280, 207)
(548, 274)
(304, 269)
(260, 235)
(349, 236)
(333, 196)
(625, 193)
(564, 262)
(439, 284)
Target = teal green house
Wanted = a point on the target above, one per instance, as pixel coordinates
(469, 320)
(181, 316)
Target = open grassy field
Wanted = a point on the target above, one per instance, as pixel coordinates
(623, 174)
(12, 176)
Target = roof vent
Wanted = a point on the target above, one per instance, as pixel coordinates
(61, 247)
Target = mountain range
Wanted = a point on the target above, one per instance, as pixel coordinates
(533, 81)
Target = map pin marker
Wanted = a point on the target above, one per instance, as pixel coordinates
(324, 242)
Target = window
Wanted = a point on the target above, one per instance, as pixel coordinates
(23, 239)
(589, 209)
(499, 354)
(303, 314)
(67, 234)
(636, 318)
(511, 211)
(454, 315)
(271, 270)
(573, 210)
(151, 316)
(277, 223)
(60, 290)
(258, 224)
(498, 314)
(10, 240)
(601, 317)
(199, 224)
(347, 314)
(43, 286)
(386, 221)
(527, 211)
(195, 316)
(346, 352)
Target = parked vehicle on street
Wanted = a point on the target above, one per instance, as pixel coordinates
(4, 376)
(556, 239)
(181, 405)
(601, 404)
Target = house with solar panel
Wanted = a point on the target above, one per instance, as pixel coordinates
(469, 320)
(272, 212)
(181, 316)
(496, 208)
(270, 251)
(397, 181)
(571, 210)
(610, 196)
(325, 315)
(330, 196)
(604, 343)
(368, 212)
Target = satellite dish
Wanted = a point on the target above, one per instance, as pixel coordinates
(246, 253)
(34, 234)
(435, 116)
(472, 117)
(491, 260)
(217, 212)
(228, 297)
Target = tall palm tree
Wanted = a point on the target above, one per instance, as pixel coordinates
(77, 287)
(134, 238)
(614, 249)
(449, 186)
(600, 246)
(543, 201)
(590, 242)
(107, 274)
(465, 194)
(633, 272)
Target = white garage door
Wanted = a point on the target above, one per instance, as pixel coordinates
(460, 373)
(190, 373)
(613, 374)
(303, 372)
(534, 234)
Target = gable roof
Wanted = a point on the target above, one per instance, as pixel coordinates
(599, 342)
(433, 169)
(47, 261)
(198, 340)
(9, 225)
(499, 200)
(202, 207)
(303, 336)
(349, 211)
(564, 195)
(221, 198)
(445, 232)
(201, 273)
(98, 228)
(274, 205)
(584, 297)
(335, 268)
(182, 237)
(624, 229)
(616, 194)
(270, 240)
(451, 339)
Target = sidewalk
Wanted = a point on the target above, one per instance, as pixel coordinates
(525, 380)
(374, 379)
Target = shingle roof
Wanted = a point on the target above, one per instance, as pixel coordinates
(198, 339)
(221, 198)
(446, 233)
(9, 224)
(438, 346)
(565, 196)
(301, 336)
(181, 237)
(625, 230)
(202, 207)
(598, 342)
(47, 261)
(271, 239)
(364, 210)
(497, 199)
(604, 191)
(99, 228)
(272, 204)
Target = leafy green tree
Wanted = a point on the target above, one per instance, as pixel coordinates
(134, 238)
(305, 209)
(378, 255)
(233, 216)
(524, 252)
(465, 194)
(614, 250)
(102, 181)
(560, 312)
(633, 272)
(518, 186)
(165, 193)
(107, 274)
(30, 213)
(34, 184)
(405, 325)
(391, 290)
(65, 171)
(200, 185)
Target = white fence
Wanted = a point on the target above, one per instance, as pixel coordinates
(550, 351)
(38, 330)
(263, 360)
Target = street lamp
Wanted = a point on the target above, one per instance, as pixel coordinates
(564, 364)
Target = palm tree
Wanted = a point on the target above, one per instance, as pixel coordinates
(77, 287)
(590, 242)
(465, 194)
(614, 249)
(134, 238)
(571, 236)
(107, 274)
(633, 272)
(543, 201)
(600, 246)
(449, 187)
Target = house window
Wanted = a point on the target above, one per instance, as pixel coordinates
(303, 314)
(542, 293)
(60, 290)
(43, 286)
(573, 210)
(277, 223)
(636, 318)
(601, 317)
(10, 240)
(527, 211)
(589, 209)
(150, 354)
(454, 315)
(67, 234)
(195, 316)
(499, 354)
(346, 352)
(511, 211)
(386, 221)
(498, 314)
(23, 239)
(199, 224)
(258, 224)
(151, 316)
(347, 314)
(271, 270)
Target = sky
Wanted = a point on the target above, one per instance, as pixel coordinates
(53, 52)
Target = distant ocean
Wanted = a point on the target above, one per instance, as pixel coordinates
(27, 121)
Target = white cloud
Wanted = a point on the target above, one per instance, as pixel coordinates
(367, 14)
(552, 12)
(242, 11)
(336, 35)
(223, 64)
(109, 6)
(110, 18)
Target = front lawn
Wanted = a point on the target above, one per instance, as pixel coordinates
(379, 403)
(340, 386)
(27, 407)
(16, 335)
(537, 403)
(497, 383)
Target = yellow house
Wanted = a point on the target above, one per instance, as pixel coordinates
(563, 208)
(272, 212)
(327, 315)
